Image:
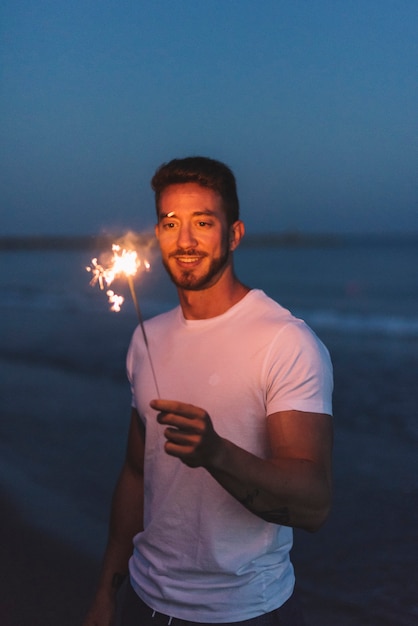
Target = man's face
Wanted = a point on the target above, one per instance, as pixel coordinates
(193, 235)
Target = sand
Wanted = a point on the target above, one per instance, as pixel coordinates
(360, 569)
(43, 581)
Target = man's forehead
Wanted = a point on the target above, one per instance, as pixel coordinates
(188, 189)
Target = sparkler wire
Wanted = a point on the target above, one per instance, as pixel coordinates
(141, 323)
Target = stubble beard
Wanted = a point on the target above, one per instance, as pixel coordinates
(189, 281)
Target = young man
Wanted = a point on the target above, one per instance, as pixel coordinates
(237, 450)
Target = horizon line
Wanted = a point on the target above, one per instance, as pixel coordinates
(284, 238)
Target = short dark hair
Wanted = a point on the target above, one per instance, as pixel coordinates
(206, 173)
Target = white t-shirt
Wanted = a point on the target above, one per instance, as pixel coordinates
(202, 556)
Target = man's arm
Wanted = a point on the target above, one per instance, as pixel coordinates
(126, 519)
(292, 487)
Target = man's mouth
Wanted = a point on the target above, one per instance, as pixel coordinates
(187, 258)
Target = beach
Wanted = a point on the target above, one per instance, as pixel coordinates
(44, 580)
(64, 417)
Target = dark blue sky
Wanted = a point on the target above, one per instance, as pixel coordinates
(312, 103)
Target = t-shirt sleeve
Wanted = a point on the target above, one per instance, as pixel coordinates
(299, 372)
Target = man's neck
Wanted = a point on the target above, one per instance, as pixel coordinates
(213, 301)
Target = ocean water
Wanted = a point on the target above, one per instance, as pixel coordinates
(65, 405)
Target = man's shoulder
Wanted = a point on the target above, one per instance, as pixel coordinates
(264, 306)
(281, 321)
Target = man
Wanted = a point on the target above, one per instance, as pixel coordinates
(237, 450)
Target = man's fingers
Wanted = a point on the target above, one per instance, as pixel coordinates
(180, 437)
(185, 454)
(178, 421)
(178, 408)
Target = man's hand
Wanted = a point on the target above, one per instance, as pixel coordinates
(190, 434)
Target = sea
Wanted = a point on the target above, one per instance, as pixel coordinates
(64, 401)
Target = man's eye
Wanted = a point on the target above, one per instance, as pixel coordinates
(168, 225)
(203, 224)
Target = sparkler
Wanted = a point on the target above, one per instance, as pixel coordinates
(123, 263)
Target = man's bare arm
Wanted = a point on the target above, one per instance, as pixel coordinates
(293, 487)
(126, 519)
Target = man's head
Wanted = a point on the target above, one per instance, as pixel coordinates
(205, 172)
(198, 224)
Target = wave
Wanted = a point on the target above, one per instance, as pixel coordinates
(362, 323)
(91, 302)
(71, 364)
(73, 346)
(39, 300)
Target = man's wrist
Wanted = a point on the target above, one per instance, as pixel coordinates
(219, 458)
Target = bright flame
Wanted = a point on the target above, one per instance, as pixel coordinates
(123, 263)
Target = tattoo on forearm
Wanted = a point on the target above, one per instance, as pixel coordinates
(277, 516)
(248, 501)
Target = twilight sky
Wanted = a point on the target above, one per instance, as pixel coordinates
(313, 103)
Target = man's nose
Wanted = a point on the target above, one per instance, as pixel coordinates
(186, 238)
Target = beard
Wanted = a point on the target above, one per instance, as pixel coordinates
(187, 279)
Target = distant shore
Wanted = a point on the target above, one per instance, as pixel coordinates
(283, 239)
(67, 242)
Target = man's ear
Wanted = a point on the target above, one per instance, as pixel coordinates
(236, 233)
(157, 231)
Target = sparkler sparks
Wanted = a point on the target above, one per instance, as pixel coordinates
(123, 263)
(115, 300)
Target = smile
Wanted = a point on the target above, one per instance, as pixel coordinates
(188, 259)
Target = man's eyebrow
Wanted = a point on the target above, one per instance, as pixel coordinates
(205, 212)
(195, 214)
